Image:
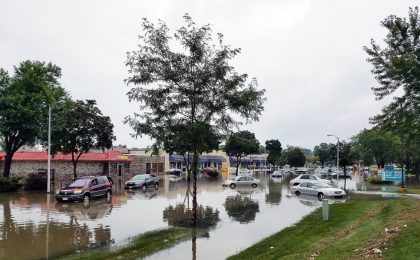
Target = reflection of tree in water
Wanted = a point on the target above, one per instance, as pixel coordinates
(28, 240)
(241, 209)
(179, 215)
(274, 194)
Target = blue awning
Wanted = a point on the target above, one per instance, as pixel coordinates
(201, 159)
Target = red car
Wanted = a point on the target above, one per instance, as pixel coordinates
(86, 188)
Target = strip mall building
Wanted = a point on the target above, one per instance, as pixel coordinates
(118, 164)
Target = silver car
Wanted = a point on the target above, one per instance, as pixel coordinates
(308, 178)
(320, 190)
(242, 181)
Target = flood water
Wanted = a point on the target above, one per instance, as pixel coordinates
(35, 227)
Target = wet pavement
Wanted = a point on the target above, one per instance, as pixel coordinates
(33, 227)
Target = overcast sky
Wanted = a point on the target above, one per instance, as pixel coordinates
(308, 55)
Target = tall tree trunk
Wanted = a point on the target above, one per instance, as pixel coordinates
(194, 242)
(238, 160)
(7, 164)
(194, 192)
(74, 169)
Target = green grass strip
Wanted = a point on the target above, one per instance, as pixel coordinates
(406, 245)
(297, 242)
(139, 247)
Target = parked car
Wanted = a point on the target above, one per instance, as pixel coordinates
(86, 188)
(242, 181)
(174, 172)
(211, 171)
(142, 181)
(277, 174)
(320, 190)
(308, 178)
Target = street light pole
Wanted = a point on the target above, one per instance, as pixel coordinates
(49, 151)
(338, 154)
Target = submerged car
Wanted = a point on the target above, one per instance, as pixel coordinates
(277, 174)
(142, 181)
(308, 178)
(85, 188)
(241, 181)
(320, 190)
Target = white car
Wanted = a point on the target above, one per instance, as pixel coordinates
(242, 181)
(320, 190)
(308, 178)
(277, 174)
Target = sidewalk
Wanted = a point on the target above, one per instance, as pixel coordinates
(388, 194)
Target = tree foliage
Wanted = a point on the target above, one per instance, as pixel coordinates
(294, 156)
(241, 144)
(185, 81)
(274, 148)
(78, 127)
(396, 66)
(325, 152)
(382, 145)
(24, 100)
(191, 87)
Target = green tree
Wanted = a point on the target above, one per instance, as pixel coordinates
(397, 67)
(78, 127)
(348, 154)
(273, 147)
(295, 156)
(325, 152)
(383, 145)
(241, 144)
(192, 85)
(24, 100)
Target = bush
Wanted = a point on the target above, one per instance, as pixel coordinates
(376, 179)
(9, 184)
(35, 181)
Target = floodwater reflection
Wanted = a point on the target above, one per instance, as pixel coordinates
(33, 227)
(241, 209)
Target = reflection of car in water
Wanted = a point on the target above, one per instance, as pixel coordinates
(149, 194)
(82, 211)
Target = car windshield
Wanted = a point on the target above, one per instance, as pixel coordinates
(78, 182)
(139, 177)
(322, 185)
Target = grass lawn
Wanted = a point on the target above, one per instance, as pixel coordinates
(354, 231)
(141, 246)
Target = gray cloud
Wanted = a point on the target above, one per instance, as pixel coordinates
(308, 55)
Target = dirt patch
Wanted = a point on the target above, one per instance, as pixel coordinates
(399, 221)
(322, 244)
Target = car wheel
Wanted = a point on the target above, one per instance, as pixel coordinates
(297, 193)
(254, 185)
(156, 186)
(144, 188)
(86, 199)
(232, 185)
(108, 195)
(321, 196)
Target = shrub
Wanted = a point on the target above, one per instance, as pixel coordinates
(377, 179)
(35, 182)
(9, 184)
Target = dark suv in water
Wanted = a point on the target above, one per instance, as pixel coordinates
(85, 188)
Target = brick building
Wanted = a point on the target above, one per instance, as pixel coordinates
(111, 163)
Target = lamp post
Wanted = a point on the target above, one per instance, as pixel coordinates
(338, 154)
(49, 152)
